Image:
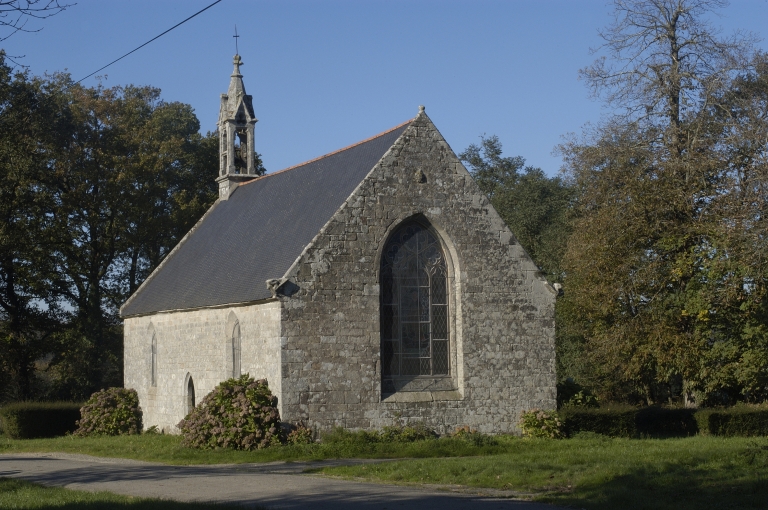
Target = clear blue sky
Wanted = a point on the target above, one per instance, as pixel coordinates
(326, 74)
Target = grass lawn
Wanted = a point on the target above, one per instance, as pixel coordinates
(166, 449)
(602, 473)
(19, 494)
(591, 472)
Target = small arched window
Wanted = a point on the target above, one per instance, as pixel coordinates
(414, 307)
(235, 346)
(153, 360)
(190, 395)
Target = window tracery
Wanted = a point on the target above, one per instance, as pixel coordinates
(414, 307)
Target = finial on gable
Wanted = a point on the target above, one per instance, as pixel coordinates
(421, 108)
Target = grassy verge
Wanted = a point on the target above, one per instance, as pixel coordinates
(591, 472)
(602, 474)
(166, 449)
(19, 494)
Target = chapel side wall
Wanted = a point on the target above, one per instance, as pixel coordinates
(503, 314)
(196, 342)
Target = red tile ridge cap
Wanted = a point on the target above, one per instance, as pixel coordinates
(329, 154)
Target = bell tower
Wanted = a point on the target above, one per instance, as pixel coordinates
(237, 153)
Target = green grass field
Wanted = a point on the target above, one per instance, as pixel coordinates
(602, 473)
(18, 494)
(591, 472)
(166, 449)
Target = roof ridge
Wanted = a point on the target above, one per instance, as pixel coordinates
(329, 154)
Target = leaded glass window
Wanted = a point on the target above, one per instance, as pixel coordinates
(414, 307)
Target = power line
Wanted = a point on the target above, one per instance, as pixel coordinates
(156, 37)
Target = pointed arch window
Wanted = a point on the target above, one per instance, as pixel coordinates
(414, 307)
(190, 404)
(153, 360)
(236, 351)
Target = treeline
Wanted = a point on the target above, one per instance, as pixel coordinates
(96, 186)
(658, 225)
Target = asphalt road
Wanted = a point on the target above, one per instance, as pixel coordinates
(277, 485)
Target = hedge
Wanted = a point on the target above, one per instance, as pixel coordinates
(733, 421)
(628, 421)
(28, 420)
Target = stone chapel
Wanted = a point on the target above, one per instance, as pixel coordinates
(371, 286)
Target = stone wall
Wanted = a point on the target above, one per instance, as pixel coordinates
(502, 313)
(196, 343)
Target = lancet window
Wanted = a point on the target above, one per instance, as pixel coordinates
(414, 307)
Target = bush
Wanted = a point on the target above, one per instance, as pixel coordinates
(299, 434)
(28, 420)
(571, 393)
(628, 421)
(239, 413)
(474, 437)
(406, 433)
(734, 421)
(616, 421)
(389, 434)
(540, 423)
(111, 412)
(665, 422)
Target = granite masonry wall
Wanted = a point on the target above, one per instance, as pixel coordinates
(196, 343)
(502, 312)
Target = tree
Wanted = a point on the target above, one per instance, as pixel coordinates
(130, 181)
(531, 204)
(14, 14)
(98, 184)
(25, 319)
(653, 281)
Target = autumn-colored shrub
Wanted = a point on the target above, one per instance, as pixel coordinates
(239, 413)
(540, 423)
(474, 437)
(111, 412)
(299, 434)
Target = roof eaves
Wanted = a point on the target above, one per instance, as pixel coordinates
(166, 259)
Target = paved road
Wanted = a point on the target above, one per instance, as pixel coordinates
(275, 485)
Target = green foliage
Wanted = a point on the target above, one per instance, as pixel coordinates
(406, 433)
(96, 186)
(541, 424)
(26, 420)
(389, 434)
(741, 420)
(570, 393)
(532, 205)
(111, 412)
(300, 434)
(666, 277)
(474, 437)
(239, 413)
(613, 421)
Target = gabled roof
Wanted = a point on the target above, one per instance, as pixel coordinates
(258, 233)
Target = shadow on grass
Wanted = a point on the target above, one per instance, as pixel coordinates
(21, 494)
(672, 488)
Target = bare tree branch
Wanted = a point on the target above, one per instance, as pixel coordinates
(14, 14)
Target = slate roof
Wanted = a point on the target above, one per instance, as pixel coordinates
(258, 233)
